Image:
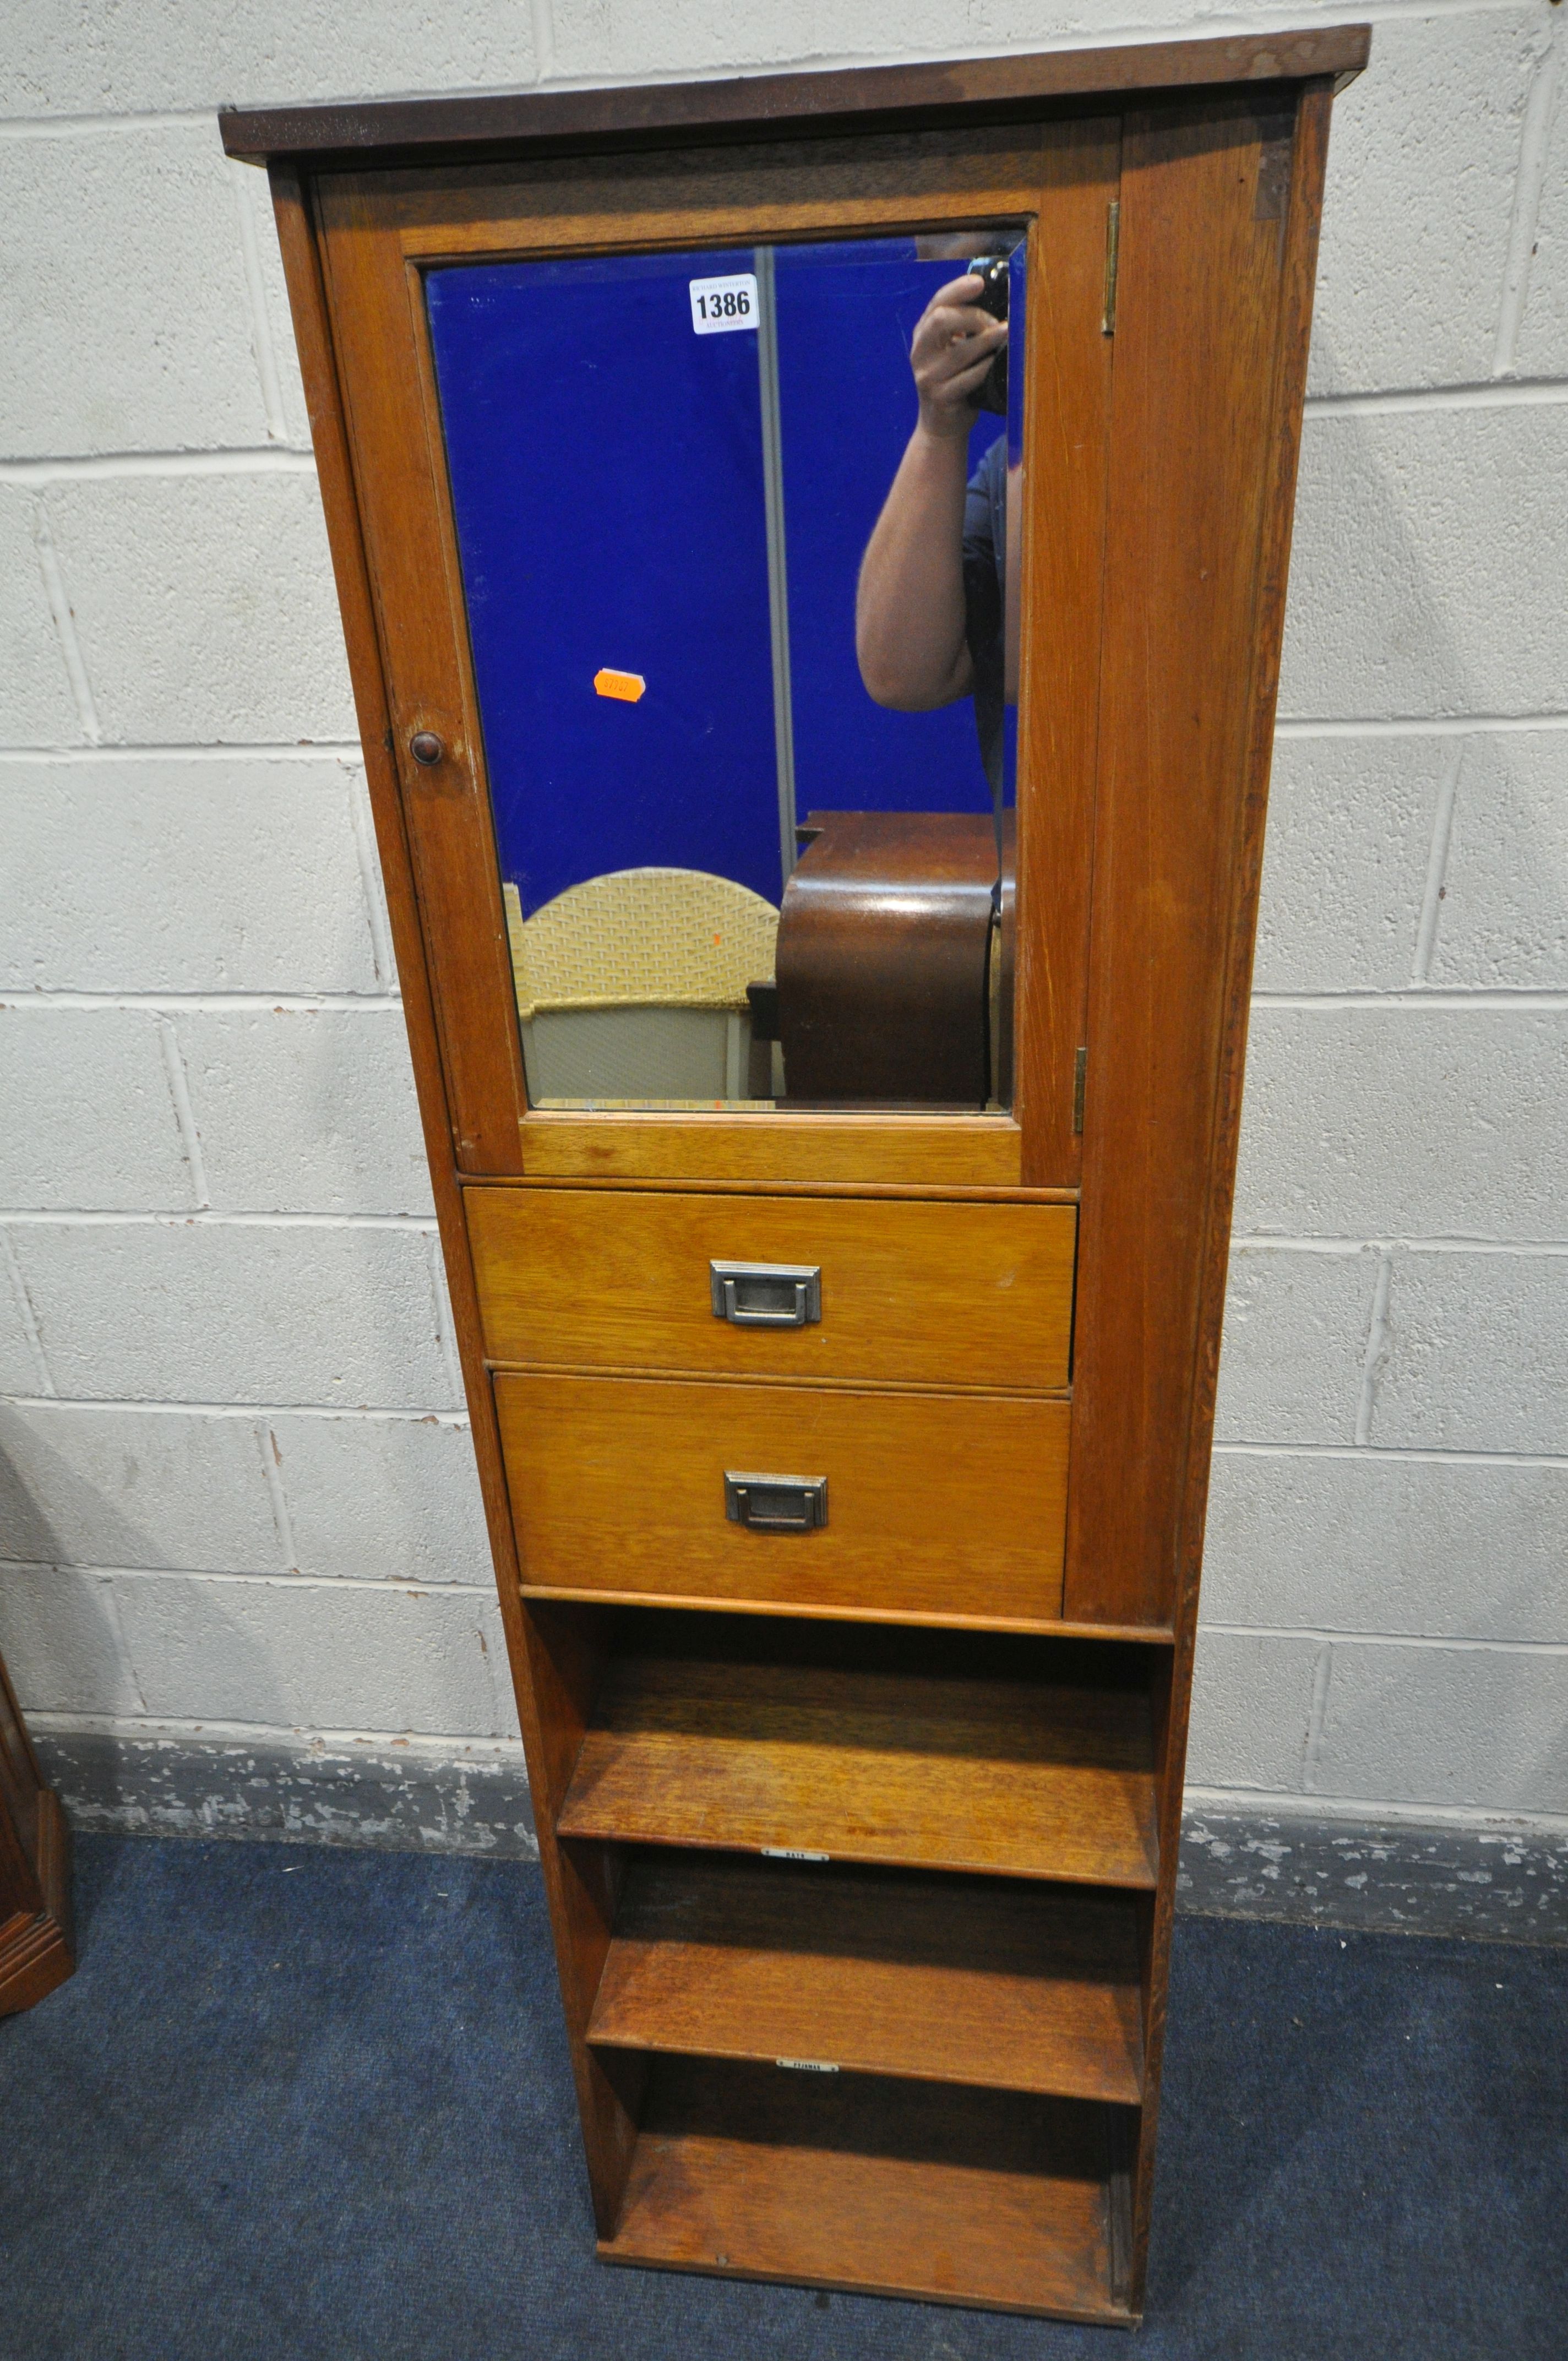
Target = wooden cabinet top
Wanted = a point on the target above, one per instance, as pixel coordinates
(492, 124)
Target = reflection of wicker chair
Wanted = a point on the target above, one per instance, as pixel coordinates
(633, 986)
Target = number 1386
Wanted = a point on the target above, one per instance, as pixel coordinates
(721, 303)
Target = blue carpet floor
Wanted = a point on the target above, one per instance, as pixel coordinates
(306, 2105)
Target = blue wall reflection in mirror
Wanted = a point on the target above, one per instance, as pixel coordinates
(609, 483)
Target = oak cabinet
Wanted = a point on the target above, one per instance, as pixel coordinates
(813, 556)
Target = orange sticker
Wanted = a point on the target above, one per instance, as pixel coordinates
(628, 686)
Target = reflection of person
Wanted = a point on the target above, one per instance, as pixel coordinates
(937, 611)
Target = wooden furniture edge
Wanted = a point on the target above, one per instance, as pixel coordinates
(613, 2250)
(967, 1193)
(445, 813)
(782, 1381)
(38, 1953)
(1303, 221)
(860, 98)
(1067, 467)
(1140, 1634)
(313, 330)
(952, 1148)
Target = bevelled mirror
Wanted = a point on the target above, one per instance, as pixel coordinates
(738, 533)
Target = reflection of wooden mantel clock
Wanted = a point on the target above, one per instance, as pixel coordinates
(845, 1456)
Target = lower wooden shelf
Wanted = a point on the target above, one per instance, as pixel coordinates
(1051, 1779)
(1012, 1986)
(888, 2187)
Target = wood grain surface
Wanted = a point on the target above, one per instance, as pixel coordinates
(810, 103)
(915, 1293)
(1301, 205)
(1203, 198)
(37, 1949)
(1067, 421)
(1012, 1986)
(905, 1769)
(881, 958)
(955, 2196)
(955, 1502)
(730, 193)
(405, 515)
(937, 1151)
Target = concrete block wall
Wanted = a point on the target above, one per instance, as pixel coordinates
(237, 1491)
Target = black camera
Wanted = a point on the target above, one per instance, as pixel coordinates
(991, 269)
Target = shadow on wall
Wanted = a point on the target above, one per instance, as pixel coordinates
(81, 1642)
(52, 1493)
(1362, 479)
(1378, 494)
(1391, 530)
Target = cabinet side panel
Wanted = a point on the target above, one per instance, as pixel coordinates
(1191, 656)
(1173, 1694)
(1217, 236)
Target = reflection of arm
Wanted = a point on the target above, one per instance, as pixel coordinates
(909, 608)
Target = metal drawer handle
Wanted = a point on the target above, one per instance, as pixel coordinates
(776, 1504)
(766, 1294)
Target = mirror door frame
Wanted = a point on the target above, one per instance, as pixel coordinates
(380, 232)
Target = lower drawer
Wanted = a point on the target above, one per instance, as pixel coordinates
(936, 1504)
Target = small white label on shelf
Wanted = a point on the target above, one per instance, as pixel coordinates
(719, 304)
(805, 2066)
(788, 1852)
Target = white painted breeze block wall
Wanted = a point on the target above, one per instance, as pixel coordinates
(238, 1487)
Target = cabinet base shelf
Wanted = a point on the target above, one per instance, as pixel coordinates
(974, 2198)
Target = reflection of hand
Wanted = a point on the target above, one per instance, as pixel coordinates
(952, 349)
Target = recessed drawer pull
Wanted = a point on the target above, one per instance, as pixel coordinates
(776, 1504)
(766, 1294)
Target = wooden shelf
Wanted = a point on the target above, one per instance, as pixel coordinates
(1018, 1987)
(1026, 1778)
(891, 2188)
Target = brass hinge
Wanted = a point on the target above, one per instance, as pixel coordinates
(1079, 1068)
(1113, 242)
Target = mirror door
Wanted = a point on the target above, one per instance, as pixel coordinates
(735, 728)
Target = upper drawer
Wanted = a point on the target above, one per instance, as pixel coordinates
(912, 1291)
